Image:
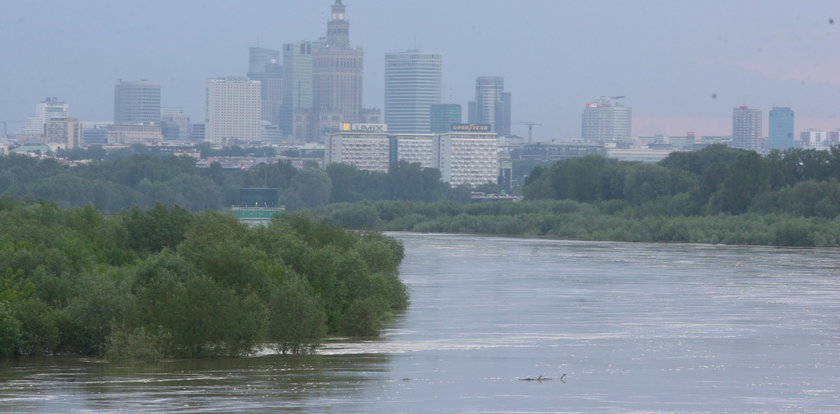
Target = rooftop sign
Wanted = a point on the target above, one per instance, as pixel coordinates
(346, 127)
(471, 127)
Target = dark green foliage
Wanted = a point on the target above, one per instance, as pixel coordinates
(164, 282)
(298, 319)
(150, 231)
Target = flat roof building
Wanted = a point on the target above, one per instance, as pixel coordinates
(233, 111)
(413, 83)
(136, 102)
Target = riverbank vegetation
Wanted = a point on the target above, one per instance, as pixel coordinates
(163, 282)
(143, 179)
(715, 195)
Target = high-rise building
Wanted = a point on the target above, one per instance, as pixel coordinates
(45, 110)
(606, 119)
(136, 102)
(297, 86)
(781, 129)
(488, 95)
(413, 82)
(443, 116)
(233, 111)
(746, 128)
(337, 72)
(264, 66)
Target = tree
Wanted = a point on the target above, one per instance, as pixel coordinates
(309, 188)
(297, 322)
(748, 177)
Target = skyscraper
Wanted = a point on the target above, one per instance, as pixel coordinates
(781, 129)
(412, 85)
(136, 102)
(443, 116)
(297, 85)
(606, 119)
(746, 128)
(488, 95)
(233, 111)
(264, 66)
(337, 77)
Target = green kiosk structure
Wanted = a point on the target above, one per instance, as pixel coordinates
(257, 205)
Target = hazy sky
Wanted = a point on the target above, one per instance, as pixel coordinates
(682, 65)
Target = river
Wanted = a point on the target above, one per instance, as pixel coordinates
(611, 327)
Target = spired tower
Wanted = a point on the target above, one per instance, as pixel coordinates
(337, 75)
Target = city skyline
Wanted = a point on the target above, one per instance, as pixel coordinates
(786, 60)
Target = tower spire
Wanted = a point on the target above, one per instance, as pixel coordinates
(338, 28)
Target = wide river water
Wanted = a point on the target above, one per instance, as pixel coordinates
(616, 327)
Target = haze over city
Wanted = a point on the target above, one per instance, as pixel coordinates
(681, 66)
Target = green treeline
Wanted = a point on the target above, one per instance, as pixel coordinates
(144, 179)
(716, 195)
(164, 282)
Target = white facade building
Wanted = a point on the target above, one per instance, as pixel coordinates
(467, 158)
(462, 157)
(127, 134)
(45, 110)
(364, 150)
(814, 139)
(414, 149)
(605, 120)
(233, 111)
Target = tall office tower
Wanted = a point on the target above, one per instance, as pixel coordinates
(175, 124)
(337, 77)
(264, 66)
(413, 82)
(44, 111)
(781, 129)
(297, 86)
(746, 128)
(606, 119)
(502, 126)
(233, 111)
(488, 98)
(136, 102)
(443, 116)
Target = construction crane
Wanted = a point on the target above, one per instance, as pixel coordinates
(531, 125)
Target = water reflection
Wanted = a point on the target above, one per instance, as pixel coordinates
(271, 383)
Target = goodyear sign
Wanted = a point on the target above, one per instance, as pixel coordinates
(346, 127)
(471, 127)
